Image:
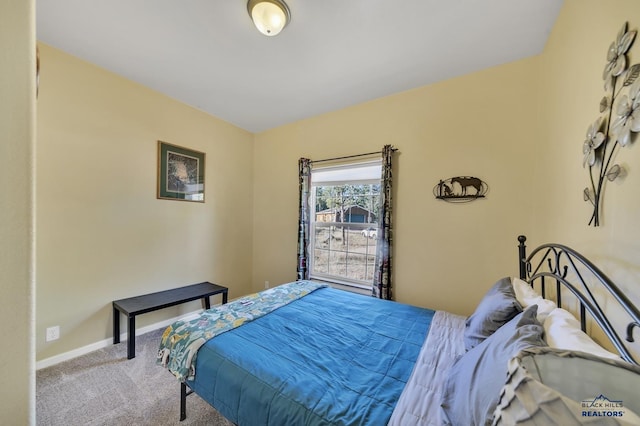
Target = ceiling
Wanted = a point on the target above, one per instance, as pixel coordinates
(333, 54)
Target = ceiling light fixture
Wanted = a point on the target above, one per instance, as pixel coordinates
(269, 16)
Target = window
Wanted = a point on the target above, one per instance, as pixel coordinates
(344, 226)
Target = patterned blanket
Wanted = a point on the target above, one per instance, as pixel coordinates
(181, 340)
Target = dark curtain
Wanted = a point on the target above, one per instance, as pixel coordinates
(304, 181)
(382, 274)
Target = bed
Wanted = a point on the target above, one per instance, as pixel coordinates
(305, 353)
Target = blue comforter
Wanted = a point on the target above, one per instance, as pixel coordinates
(332, 357)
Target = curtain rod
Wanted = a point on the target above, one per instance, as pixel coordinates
(350, 156)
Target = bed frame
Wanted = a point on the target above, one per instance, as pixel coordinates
(560, 265)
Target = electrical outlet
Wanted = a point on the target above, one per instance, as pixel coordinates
(266, 284)
(53, 333)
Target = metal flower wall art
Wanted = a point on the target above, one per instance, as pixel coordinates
(620, 109)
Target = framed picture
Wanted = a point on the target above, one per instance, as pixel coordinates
(180, 173)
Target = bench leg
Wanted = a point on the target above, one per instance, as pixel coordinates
(131, 338)
(116, 326)
(207, 301)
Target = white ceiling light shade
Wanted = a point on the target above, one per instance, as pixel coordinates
(269, 16)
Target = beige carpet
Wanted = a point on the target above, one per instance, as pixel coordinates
(105, 388)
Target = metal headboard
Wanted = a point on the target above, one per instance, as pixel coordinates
(559, 264)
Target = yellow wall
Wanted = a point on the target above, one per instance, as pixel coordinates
(481, 125)
(17, 138)
(102, 234)
(572, 87)
(519, 127)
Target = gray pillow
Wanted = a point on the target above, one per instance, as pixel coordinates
(498, 306)
(541, 389)
(473, 386)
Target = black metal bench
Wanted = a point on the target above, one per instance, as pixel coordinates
(133, 306)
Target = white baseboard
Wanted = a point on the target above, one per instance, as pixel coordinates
(48, 362)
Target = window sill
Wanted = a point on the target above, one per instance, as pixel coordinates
(353, 288)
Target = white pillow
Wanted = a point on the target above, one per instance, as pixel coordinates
(562, 331)
(527, 296)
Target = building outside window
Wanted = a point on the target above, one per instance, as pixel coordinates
(344, 229)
